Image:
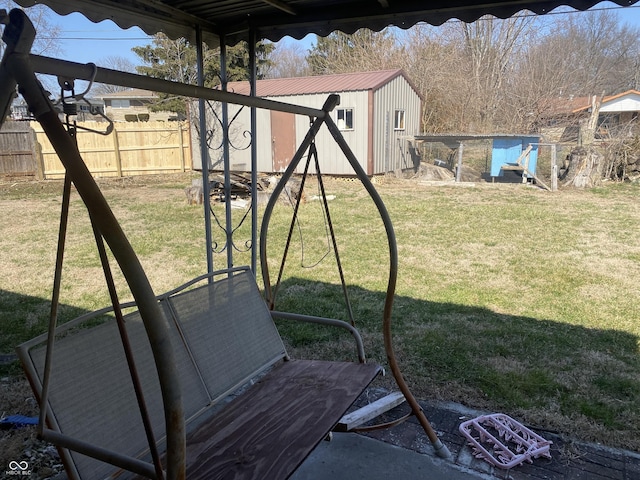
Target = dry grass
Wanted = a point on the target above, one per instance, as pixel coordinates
(509, 298)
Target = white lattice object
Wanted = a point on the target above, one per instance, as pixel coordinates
(502, 441)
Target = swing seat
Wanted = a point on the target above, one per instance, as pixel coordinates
(251, 412)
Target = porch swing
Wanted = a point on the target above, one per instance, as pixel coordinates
(122, 384)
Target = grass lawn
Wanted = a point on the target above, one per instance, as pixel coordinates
(509, 298)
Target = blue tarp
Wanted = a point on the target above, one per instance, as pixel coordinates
(16, 421)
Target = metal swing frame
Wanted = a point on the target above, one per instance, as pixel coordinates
(19, 68)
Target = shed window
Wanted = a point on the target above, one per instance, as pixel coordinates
(399, 120)
(345, 118)
(120, 103)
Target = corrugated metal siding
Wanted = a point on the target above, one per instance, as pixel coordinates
(239, 136)
(390, 147)
(332, 160)
(240, 153)
(356, 138)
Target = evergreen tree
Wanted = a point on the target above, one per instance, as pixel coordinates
(176, 60)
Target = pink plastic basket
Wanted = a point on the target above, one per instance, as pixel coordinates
(502, 441)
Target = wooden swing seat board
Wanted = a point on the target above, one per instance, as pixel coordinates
(269, 430)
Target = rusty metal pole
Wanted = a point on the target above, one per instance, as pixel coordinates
(440, 449)
(18, 36)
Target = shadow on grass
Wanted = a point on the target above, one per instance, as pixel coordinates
(482, 358)
(23, 317)
(554, 374)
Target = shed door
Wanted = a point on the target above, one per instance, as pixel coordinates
(283, 139)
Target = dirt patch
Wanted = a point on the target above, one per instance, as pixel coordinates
(20, 443)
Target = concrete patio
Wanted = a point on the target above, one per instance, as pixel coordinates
(404, 452)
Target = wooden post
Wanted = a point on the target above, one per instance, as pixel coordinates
(372, 410)
(554, 169)
(116, 147)
(525, 175)
(181, 146)
(459, 170)
(37, 151)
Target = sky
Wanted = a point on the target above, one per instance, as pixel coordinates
(83, 41)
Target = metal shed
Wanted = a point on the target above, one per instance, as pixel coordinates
(378, 111)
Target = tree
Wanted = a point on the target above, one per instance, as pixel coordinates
(491, 51)
(47, 41)
(431, 61)
(176, 60)
(594, 52)
(465, 72)
(47, 32)
(173, 60)
(361, 51)
(288, 60)
(113, 62)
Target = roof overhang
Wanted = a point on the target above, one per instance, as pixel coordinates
(611, 98)
(232, 20)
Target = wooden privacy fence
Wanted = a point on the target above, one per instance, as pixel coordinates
(18, 150)
(136, 148)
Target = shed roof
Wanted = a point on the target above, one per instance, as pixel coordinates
(232, 20)
(344, 82)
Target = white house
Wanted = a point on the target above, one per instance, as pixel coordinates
(618, 114)
(132, 105)
(378, 113)
(617, 110)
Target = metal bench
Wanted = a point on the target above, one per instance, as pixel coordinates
(223, 337)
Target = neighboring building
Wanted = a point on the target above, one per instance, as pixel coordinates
(378, 113)
(562, 117)
(616, 111)
(84, 110)
(132, 105)
(20, 109)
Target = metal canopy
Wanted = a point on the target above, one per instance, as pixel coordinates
(273, 19)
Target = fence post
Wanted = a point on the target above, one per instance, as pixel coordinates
(116, 147)
(459, 169)
(554, 169)
(37, 153)
(181, 146)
